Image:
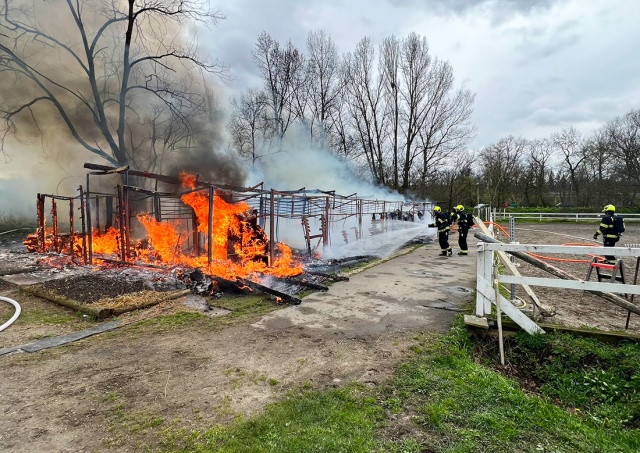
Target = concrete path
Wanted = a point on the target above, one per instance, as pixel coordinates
(416, 291)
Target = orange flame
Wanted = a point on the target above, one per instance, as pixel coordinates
(239, 245)
(107, 243)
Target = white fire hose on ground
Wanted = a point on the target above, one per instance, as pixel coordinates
(15, 315)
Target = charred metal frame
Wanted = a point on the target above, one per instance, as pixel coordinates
(54, 241)
(270, 205)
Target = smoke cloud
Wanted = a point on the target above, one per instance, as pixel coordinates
(302, 163)
(40, 146)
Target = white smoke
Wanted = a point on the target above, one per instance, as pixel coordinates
(299, 164)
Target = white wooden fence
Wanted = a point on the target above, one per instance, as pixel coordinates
(503, 214)
(487, 276)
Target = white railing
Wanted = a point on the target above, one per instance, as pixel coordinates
(487, 276)
(504, 214)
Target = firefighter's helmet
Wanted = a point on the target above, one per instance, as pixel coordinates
(460, 208)
(437, 209)
(609, 207)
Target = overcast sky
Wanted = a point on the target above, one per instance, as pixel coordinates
(536, 66)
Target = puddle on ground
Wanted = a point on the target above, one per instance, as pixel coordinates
(458, 290)
(424, 274)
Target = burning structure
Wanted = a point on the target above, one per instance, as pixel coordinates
(226, 232)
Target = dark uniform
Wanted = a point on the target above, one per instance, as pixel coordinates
(608, 231)
(441, 222)
(465, 222)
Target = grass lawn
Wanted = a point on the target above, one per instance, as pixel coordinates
(448, 397)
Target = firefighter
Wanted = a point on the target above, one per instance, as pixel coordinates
(465, 222)
(441, 222)
(609, 230)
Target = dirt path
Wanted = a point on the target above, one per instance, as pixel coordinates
(99, 394)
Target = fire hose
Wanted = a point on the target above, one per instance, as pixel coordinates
(15, 315)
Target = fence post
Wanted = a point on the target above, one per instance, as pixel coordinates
(484, 272)
(512, 240)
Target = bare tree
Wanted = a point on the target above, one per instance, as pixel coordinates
(415, 75)
(623, 134)
(365, 104)
(98, 65)
(502, 163)
(448, 129)
(390, 69)
(453, 184)
(323, 82)
(247, 126)
(282, 70)
(428, 121)
(343, 139)
(536, 172)
(569, 143)
(396, 112)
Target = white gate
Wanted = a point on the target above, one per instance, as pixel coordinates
(488, 277)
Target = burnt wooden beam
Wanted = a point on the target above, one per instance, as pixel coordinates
(265, 289)
(105, 170)
(307, 283)
(57, 197)
(240, 282)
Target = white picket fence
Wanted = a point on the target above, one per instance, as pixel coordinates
(487, 276)
(504, 214)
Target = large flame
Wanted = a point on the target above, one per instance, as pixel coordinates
(239, 245)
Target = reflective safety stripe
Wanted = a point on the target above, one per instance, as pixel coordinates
(604, 225)
(611, 236)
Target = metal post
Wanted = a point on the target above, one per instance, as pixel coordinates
(359, 206)
(88, 212)
(121, 223)
(41, 231)
(325, 233)
(72, 236)
(56, 232)
(272, 233)
(127, 206)
(212, 194)
(156, 207)
(84, 229)
(195, 235)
